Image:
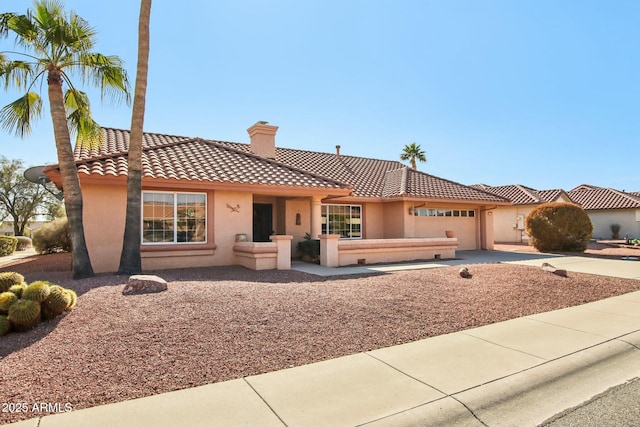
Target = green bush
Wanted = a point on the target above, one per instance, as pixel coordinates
(615, 231)
(8, 245)
(52, 237)
(309, 248)
(562, 227)
(9, 279)
(24, 243)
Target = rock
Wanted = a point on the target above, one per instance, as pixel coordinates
(144, 284)
(551, 269)
(464, 273)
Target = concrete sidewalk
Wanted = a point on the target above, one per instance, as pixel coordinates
(519, 372)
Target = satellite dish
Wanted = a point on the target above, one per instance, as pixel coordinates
(36, 175)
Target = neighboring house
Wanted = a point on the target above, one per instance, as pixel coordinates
(606, 206)
(203, 199)
(6, 228)
(509, 221)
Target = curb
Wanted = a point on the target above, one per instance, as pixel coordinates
(534, 395)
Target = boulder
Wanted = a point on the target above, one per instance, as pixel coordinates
(144, 284)
(464, 273)
(551, 269)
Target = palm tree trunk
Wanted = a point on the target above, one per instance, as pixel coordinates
(130, 260)
(80, 261)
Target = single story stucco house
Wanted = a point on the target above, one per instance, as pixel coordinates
(509, 221)
(606, 206)
(208, 203)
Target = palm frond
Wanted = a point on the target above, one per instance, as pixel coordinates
(108, 73)
(79, 117)
(15, 73)
(4, 23)
(17, 116)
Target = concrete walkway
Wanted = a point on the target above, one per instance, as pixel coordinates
(519, 372)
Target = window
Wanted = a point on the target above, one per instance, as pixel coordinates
(445, 212)
(345, 220)
(174, 217)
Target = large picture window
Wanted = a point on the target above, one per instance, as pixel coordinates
(174, 217)
(345, 220)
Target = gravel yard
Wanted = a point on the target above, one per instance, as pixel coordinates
(216, 324)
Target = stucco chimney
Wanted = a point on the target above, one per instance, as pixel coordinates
(263, 139)
(337, 151)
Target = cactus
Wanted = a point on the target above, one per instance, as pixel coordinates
(18, 289)
(57, 302)
(7, 299)
(8, 279)
(37, 291)
(24, 314)
(74, 299)
(5, 325)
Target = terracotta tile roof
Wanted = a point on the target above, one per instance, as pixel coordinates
(596, 198)
(421, 184)
(395, 183)
(193, 159)
(522, 195)
(177, 157)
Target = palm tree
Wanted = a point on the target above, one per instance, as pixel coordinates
(411, 153)
(57, 44)
(130, 262)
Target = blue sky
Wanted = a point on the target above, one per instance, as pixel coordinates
(543, 93)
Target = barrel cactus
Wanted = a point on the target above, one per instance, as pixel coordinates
(37, 291)
(24, 314)
(5, 325)
(7, 299)
(74, 298)
(57, 302)
(18, 289)
(8, 279)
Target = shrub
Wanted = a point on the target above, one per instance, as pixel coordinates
(52, 237)
(563, 227)
(9, 279)
(24, 243)
(309, 248)
(8, 245)
(615, 231)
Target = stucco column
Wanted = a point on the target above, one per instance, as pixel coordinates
(283, 258)
(316, 217)
(329, 256)
(486, 230)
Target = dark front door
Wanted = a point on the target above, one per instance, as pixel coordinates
(262, 222)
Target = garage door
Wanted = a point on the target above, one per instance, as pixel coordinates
(434, 222)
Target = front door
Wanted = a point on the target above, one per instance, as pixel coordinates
(262, 222)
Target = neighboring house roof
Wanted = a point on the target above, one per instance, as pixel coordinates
(596, 198)
(177, 157)
(521, 195)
